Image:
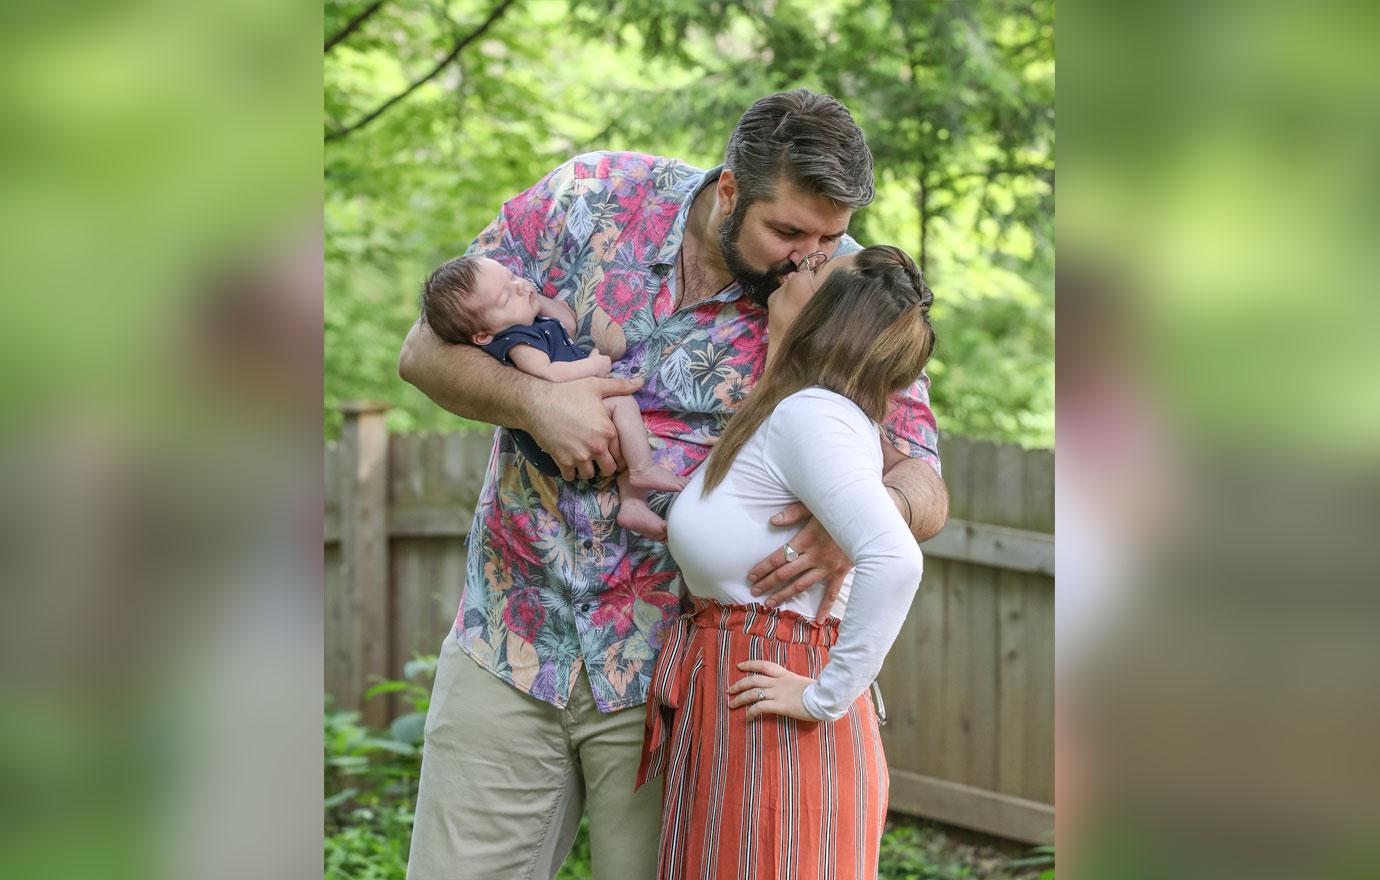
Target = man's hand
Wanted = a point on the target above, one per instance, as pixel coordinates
(574, 428)
(770, 690)
(819, 559)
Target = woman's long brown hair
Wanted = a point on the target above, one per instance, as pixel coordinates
(865, 334)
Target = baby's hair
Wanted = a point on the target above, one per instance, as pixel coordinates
(443, 300)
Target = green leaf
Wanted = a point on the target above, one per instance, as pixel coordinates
(340, 797)
(408, 728)
(420, 666)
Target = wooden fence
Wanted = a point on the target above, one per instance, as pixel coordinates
(969, 685)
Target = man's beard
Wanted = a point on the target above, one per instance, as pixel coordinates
(757, 285)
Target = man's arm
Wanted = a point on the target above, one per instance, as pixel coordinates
(466, 381)
(572, 425)
(923, 498)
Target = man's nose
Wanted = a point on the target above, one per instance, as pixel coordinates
(809, 246)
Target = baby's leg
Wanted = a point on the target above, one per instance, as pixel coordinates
(635, 514)
(632, 436)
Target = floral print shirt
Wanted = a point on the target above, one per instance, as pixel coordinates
(554, 585)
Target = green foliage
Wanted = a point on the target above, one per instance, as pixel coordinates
(957, 100)
(371, 792)
(371, 789)
(917, 850)
(371, 782)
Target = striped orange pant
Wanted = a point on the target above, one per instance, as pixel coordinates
(774, 799)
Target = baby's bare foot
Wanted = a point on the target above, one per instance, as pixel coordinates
(656, 477)
(635, 515)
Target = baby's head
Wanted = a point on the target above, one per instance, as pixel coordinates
(469, 299)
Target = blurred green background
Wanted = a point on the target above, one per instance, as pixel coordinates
(957, 100)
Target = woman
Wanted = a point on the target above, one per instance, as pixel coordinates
(779, 772)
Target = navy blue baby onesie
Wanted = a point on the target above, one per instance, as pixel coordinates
(548, 336)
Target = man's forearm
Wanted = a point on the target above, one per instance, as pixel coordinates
(920, 495)
(466, 381)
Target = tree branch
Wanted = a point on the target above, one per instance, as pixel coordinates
(451, 56)
(1044, 172)
(352, 25)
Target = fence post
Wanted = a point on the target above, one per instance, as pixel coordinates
(364, 546)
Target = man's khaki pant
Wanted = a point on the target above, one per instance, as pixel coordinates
(505, 778)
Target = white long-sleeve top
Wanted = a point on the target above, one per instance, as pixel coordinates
(819, 448)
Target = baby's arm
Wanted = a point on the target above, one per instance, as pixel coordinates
(536, 363)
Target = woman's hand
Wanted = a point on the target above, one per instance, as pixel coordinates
(770, 690)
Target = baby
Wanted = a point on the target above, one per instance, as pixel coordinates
(477, 301)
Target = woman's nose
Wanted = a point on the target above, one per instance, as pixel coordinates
(810, 261)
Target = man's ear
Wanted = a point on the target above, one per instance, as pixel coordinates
(482, 338)
(727, 192)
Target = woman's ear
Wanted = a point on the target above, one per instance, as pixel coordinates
(482, 338)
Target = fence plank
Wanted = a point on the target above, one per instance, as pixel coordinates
(957, 707)
(962, 540)
(1012, 683)
(1004, 504)
(364, 545)
(339, 660)
(1039, 635)
(901, 666)
(1039, 722)
(971, 807)
(927, 696)
(955, 453)
(995, 546)
(989, 503)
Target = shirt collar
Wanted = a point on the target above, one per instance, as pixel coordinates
(666, 257)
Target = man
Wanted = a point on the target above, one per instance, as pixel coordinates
(563, 611)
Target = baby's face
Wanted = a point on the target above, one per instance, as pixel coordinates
(501, 299)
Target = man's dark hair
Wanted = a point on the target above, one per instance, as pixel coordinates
(811, 139)
(443, 300)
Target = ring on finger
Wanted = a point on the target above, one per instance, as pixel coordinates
(761, 695)
(791, 553)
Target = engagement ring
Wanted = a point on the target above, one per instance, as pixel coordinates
(791, 554)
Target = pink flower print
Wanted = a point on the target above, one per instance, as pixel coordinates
(524, 613)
